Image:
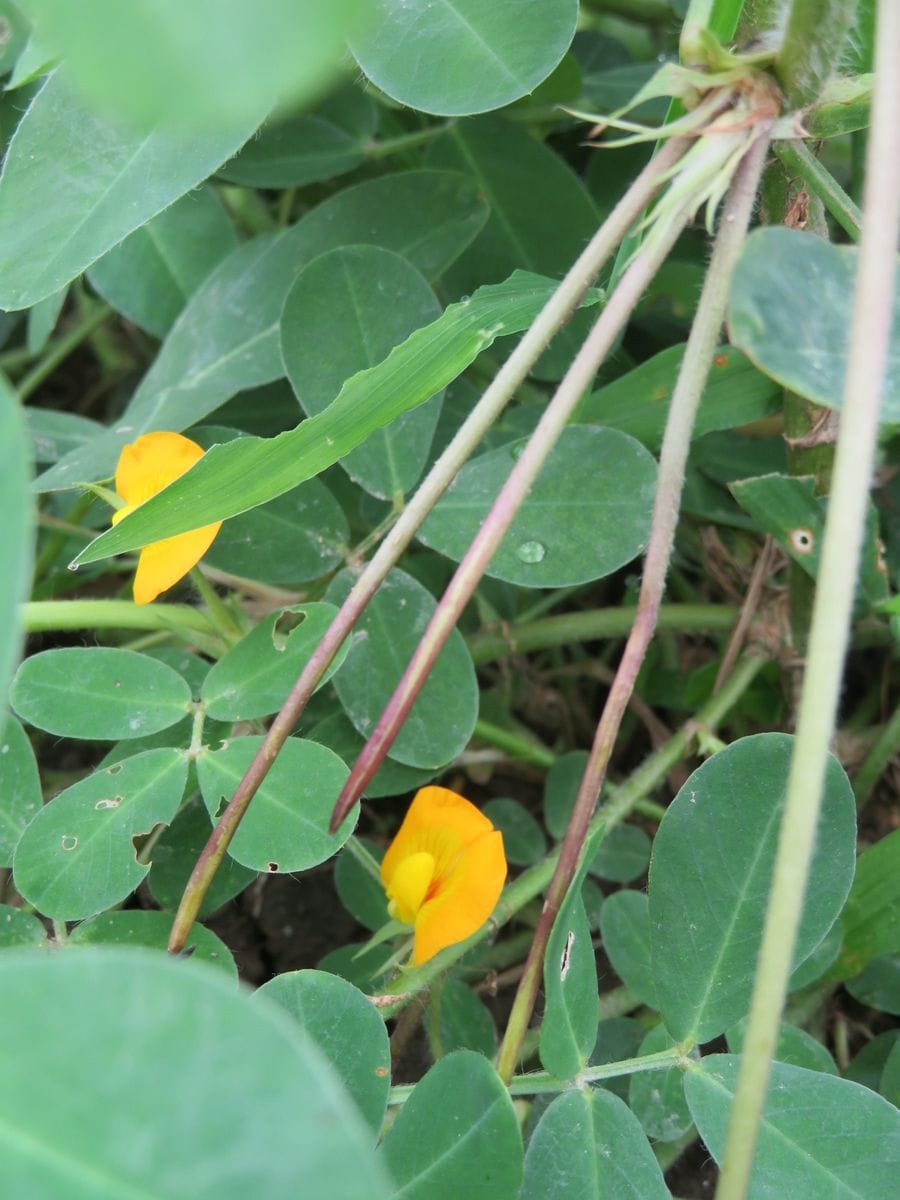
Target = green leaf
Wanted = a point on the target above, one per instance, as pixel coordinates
(657, 1097)
(523, 839)
(98, 693)
(308, 519)
(18, 517)
(391, 779)
(561, 789)
(94, 183)
(254, 677)
(458, 1020)
(541, 216)
(286, 827)
(227, 337)
(175, 855)
(443, 716)
(868, 1065)
(795, 1046)
(589, 1146)
(800, 344)
(151, 930)
(54, 434)
(360, 892)
(366, 967)
(625, 926)
(335, 323)
(823, 957)
(457, 1135)
(20, 787)
(89, 1023)
(878, 985)
(587, 514)
(152, 274)
(569, 1028)
(346, 1029)
(637, 402)
(890, 1079)
(498, 52)
(705, 922)
(19, 928)
(42, 320)
(308, 147)
(211, 64)
(77, 857)
(871, 919)
(820, 1135)
(233, 478)
(623, 854)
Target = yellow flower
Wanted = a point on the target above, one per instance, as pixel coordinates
(444, 870)
(145, 467)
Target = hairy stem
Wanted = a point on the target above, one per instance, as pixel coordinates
(554, 315)
(799, 159)
(692, 377)
(829, 635)
(487, 541)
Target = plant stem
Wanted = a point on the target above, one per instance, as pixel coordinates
(487, 541)
(552, 317)
(799, 159)
(627, 796)
(692, 376)
(516, 746)
(405, 141)
(40, 616)
(60, 350)
(872, 768)
(863, 384)
(220, 614)
(593, 624)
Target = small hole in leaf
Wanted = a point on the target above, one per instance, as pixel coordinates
(114, 769)
(802, 540)
(272, 867)
(284, 626)
(114, 803)
(68, 841)
(117, 684)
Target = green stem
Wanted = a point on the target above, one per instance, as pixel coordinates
(552, 317)
(221, 615)
(366, 860)
(60, 350)
(514, 744)
(508, 502)
(872, 768)
(863, 385)
(573, 628)
(531, 883)
(40, 616)
(405, 141)
(692, 376)
(800, 160)
(536, 1083)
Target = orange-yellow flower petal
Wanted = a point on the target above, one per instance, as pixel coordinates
(444, 870)
(145, 467)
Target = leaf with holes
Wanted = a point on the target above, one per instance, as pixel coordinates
(286, 827)
(569, 1028)
(20, 787)
(346, 1028)
(120, 694)
(710, 875)
(78, 856)
(254, 677)
(457, 1135)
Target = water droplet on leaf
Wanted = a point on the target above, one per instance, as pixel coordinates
(531, 552)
